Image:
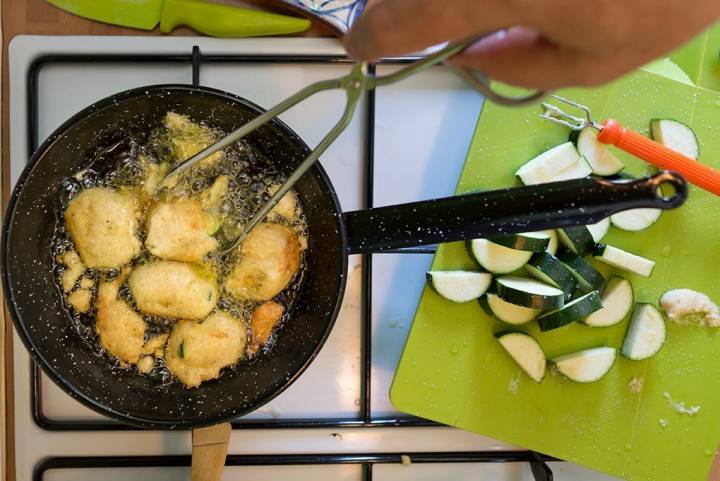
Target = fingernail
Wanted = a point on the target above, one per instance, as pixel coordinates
(503, 39)
(488, 43)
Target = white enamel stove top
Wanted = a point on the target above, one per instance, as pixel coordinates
(422, 129)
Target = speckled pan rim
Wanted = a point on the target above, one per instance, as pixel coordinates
(56, 375)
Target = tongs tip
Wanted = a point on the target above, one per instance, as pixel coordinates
(555, 114)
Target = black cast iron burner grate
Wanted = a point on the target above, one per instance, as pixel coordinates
(364, 418)
(538, 466)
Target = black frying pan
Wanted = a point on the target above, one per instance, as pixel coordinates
(45, 326)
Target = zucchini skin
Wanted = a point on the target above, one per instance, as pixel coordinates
(521, 243)
(534, 301)
(553, 268)
(572, 312)
(589, 279)
(581, 239)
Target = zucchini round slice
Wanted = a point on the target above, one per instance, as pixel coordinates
(577, 239)
(459, 286)
(507, 312)
(526, 352)
(646, 333)
(548, 269)
(598, 156)
(624, 260)
(599, 229)
(561, 162)
(530, 293)
(589, 365)
(573, 311)
(676, 136)
(529, 241)
(496, 258)
(617, 301)
(589, 279)
(635, 219)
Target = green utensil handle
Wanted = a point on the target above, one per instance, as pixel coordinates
(224, 21)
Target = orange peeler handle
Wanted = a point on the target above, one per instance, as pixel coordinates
(657, 154)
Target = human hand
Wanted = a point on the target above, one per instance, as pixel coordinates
(550, 43)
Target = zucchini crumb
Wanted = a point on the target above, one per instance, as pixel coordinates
(514, 383)
(688, 307)
(680, 406)
(635, 385)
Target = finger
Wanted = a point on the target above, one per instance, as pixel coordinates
(522, 57)
(397, 27)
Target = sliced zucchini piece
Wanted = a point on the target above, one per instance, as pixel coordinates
(635, 219)
(526, 352)
(646, 333)
(589, 279)
(553, 243)
(505, 311)
(459, 286)
(528, 292)
(574, 310)
(561, 162)
(588, 365)
(598, 156)
(496, 258)
(599, 229)
(676, 136)
(548, 269)
(624, 260)
(617, 301)
(577, 239)
(528, 241)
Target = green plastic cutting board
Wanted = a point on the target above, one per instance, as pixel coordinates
(454, 371)
(700, 58)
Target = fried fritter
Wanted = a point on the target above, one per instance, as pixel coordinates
(103, 225)
(268, 259)
(197, 351)
(173, 289)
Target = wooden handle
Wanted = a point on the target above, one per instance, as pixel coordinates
(209, 449)
(657, 154)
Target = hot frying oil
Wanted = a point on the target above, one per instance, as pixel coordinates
(137, 164)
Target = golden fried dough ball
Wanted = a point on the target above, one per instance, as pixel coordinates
(188, 138)
(81, 300)
(268, 259)
(173, 289)
(262, 322)
(103, 225)
(288, 205)
(74, 269)
(121, 329)
(197, 351)
(180, 230)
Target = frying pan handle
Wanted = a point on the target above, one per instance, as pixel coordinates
(209, 450)
(506, 211)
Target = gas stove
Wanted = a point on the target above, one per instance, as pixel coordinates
(407, 142)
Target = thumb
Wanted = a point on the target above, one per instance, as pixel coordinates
(522, 57)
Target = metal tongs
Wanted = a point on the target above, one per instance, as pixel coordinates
(354, 83)
(611, 132)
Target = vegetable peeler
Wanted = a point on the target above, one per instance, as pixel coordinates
(354, 83)
(611, 132)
